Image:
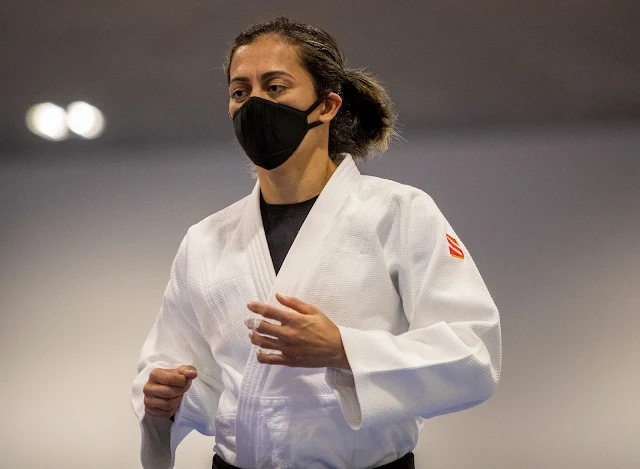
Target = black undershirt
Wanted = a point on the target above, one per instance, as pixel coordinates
(281, 225)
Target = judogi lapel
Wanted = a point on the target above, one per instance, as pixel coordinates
(305, 246)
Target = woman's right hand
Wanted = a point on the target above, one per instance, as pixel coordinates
(164, 389)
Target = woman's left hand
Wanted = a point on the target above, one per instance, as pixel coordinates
(305, 337)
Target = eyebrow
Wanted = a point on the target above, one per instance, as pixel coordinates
(265, 76)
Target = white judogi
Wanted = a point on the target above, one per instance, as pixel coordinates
(420, 330)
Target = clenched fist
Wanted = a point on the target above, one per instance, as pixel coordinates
(164, 389)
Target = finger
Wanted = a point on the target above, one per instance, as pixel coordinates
(252, 323)
(162, 390)
(273, 359)
(169, 377)
(274, 330)
(162, 404)
(186, 388)
(265, 342)
(188, 371)
(294, 303)
(270, 312)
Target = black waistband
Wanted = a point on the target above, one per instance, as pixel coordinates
(405, 462)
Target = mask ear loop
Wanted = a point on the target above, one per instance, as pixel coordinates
(313, 108)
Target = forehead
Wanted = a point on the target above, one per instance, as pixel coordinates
(265, 54)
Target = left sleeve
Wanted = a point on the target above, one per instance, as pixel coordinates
(450, 357)
(176, 339)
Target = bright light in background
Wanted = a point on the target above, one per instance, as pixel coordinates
(53, 123)
(84, 119)
(48, 121)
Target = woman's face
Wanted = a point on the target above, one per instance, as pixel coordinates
(270, 68)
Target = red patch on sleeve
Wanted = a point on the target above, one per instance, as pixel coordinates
(454, 247)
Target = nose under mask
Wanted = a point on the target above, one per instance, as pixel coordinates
(270, 132)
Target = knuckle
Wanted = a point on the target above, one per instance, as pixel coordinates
(153, 391)
(153, 404)
(161, 404)
(254, 338)
(287, 340)
(269, 314)
(292, 338)
(168, 392)
(291, 353)
(165, 404)
(173, 378)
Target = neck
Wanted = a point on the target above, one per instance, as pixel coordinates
(298, 179)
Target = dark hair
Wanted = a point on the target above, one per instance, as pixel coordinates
(366, 120)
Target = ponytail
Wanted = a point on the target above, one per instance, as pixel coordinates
(366, 120)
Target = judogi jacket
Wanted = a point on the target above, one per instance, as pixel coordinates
(419, 328)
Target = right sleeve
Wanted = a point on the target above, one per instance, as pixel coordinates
(176, 339)
(450, 357)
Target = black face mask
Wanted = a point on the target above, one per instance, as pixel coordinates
(270, 132)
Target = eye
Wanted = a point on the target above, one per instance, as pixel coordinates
(276, 89)
(238, 94)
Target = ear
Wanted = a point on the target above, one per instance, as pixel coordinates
(332, 104)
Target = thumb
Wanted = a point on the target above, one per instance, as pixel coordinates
(188, 371)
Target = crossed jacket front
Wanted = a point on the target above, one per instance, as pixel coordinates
(420, 330)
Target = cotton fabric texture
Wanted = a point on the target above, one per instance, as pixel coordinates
(420, 330)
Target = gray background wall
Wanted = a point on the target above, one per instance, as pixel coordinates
(513, 115)
(551, 216)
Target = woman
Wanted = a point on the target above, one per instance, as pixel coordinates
(386, 320)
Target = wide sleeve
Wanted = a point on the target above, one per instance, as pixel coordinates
(176, 339)
(450, 357)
